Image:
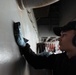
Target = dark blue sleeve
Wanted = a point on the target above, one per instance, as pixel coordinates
(38, 61)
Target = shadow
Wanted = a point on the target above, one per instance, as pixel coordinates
(19, 2)
(19, 66)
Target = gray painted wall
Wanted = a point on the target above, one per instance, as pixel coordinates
(11, 63)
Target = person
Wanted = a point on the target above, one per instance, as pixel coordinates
(61, 64)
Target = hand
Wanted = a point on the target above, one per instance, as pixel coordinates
(18, 35)
(24, 50)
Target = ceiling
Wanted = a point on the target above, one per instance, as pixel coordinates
(48, 15)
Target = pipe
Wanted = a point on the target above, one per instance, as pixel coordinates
(37, 3)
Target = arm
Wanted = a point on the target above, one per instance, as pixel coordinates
(37, 61)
